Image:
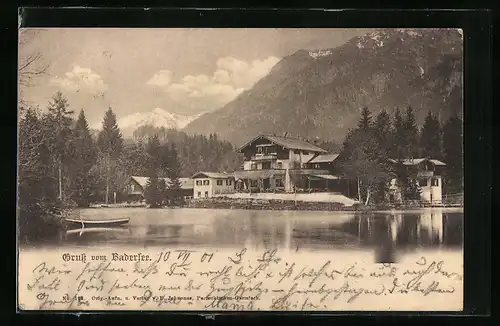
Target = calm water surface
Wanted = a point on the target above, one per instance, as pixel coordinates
(387, 234)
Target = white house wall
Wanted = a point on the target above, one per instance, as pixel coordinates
(425, 191)
(437, 191)
(212, 188)
(224, 188)
(202, 188)
(247, 165)
(300, 157)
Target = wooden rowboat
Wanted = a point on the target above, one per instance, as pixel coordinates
(80, 231)
(97, 223)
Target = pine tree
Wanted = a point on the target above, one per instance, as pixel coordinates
(411, 134)
(135, 159)
(175, 185)
(382, 129)
(430, 138)
(453, 153)
(37, 188)
(84, 157)
(110, 140)
(110, 143)
(363, 159)
(154, 151)
(365, 122)
(164, 159)
(153, 192)
(58, 124)
(398, 136)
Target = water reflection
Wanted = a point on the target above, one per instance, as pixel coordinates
(391, 232)
(387, 234)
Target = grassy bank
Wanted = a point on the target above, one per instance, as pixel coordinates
(265, 204)
(273, 204)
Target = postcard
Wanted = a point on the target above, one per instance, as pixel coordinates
(240, 169)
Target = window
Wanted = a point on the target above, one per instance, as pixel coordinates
(259, 150)
(254, 166)
(198, 182)
(279, 165)
(206, 182)
(296, 152)
(229, 182)
(219, 182)
(199, 194)
(422, 182)
(266, 165)
(316, 166)
(305, 153)
(132, 187)
(206, 193)
(435, 182)
(279, 183)
(253, 183)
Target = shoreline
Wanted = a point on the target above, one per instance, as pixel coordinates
(276, 204)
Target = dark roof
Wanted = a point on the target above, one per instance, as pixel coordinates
(416, 161)
(287, 142)
(324, 158)
(213, 175)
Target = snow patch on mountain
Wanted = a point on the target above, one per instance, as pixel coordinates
(157, 118)
(320, 53)
(376, 37)
(422, 71)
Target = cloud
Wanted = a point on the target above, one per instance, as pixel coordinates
(202, 90)
(162, 78)
(230, 79)
(81, 79)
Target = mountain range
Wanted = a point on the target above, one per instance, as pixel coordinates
(156, 118)
(319, 94)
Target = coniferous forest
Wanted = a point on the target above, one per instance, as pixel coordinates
(367, 148)
(62, 164)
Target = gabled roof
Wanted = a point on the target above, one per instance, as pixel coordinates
(324, 158)
(186, 183)
(436, 162)
(416, 161)
(287, 142)
(212, 175)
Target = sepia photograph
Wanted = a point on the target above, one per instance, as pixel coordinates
(237, 169)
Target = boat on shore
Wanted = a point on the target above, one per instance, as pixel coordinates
(97, 223)
(81, 231)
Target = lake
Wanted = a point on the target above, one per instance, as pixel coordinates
(389, 235)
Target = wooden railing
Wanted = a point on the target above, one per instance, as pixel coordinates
(453, 199)
(264, 157)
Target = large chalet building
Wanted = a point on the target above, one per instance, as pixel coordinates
(273, 164)
(281, 164)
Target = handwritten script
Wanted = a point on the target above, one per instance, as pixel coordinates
(242, 280)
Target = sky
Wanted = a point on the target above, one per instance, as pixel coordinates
(183, 71)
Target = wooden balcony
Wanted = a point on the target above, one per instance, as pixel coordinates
(264, 157)
(425, 174)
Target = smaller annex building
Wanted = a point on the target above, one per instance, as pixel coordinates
(212, 184)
